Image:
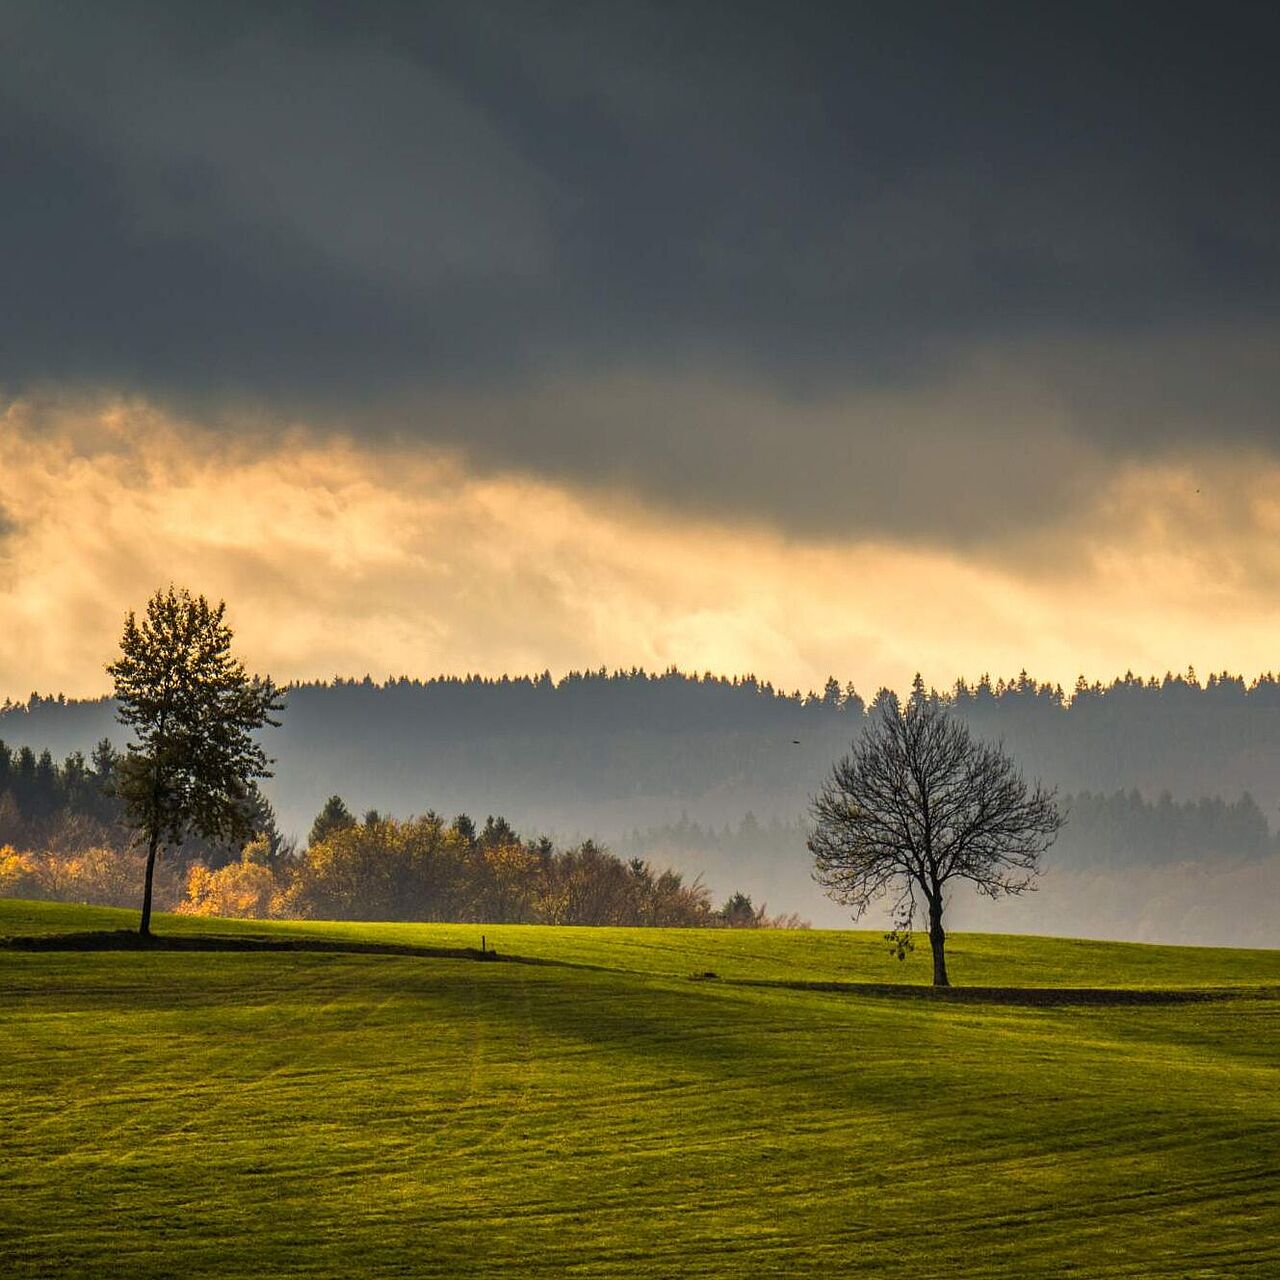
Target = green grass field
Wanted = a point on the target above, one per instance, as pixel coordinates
(304, 1113)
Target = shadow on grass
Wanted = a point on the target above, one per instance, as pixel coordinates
(1033, 997)
(131, 940)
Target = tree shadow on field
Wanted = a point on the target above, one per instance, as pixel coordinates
(1022, 996)
(722, 1039)
(131, 940)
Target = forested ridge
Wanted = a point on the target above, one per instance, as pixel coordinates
(604, 739)
(713, 774)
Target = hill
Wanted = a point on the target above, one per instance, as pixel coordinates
(618, 750)
(600, 1113)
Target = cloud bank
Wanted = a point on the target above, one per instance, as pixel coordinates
(338, 559)
(917, 274)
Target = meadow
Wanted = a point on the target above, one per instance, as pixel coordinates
(615, 1111)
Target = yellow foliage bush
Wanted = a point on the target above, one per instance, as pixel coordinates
(244, 889)
(100, 876)
(19, 874)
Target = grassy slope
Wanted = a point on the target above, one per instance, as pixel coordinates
(975, 959)
(309, 1114)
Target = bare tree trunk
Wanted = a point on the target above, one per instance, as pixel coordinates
(938, 943)
(144, 929)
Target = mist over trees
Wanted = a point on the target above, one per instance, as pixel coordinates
(603, 737)
(1106, 831)
(713, 774)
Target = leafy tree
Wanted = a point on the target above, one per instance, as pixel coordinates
(335, 816)
(194, 713)
(919, 803)
(242, 889)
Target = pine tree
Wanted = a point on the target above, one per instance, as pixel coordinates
(335, 816)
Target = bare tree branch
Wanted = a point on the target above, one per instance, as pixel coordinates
(918, 803)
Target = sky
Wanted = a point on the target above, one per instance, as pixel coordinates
(798, 340)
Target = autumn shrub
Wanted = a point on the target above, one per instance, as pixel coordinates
(244, 889)
(421, 869)
(97, 876)
(384, 870)
(111, 878)
(19, 874)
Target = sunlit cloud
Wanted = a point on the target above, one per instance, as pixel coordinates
(338, 558)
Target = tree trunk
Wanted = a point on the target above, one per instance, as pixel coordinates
(938, 942)
(144, 929)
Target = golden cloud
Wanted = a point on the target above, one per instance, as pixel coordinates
(339, 559)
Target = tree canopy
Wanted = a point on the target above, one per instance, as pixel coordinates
(194, 713)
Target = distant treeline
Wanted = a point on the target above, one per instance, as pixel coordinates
(541, 747)
(72, 806)
(603, 755)
(1115, 831)
(1126, 829)
(47, 805)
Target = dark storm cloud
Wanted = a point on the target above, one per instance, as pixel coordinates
(752, 257)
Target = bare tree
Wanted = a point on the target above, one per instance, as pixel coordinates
(918, 803)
